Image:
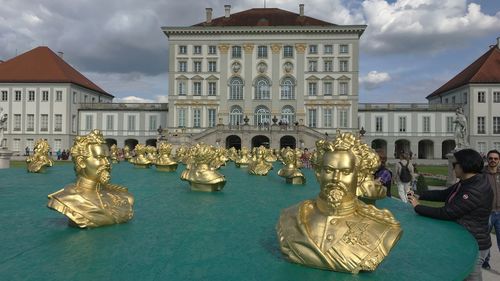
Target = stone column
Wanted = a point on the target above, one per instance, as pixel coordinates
(300, 87)
(224, 66)
(275, 77)
(248, 66)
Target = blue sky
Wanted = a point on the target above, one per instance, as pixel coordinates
(410, 48)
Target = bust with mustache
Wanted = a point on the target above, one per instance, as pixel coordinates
(336, 231)
(92, 201)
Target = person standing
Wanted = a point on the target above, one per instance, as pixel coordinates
(492, 172)
(468, 202)
(404, 176)
(383, 174)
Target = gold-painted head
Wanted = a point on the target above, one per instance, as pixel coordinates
(90, 155)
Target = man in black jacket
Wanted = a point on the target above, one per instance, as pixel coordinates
(467, 202)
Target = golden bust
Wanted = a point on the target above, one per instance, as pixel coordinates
(126, 153)
(258, 164)
(291, 169)
(232, 154)
(182, 154)
(114, 154)
(92, 201)
(140, 160)
(40, 158)
(151, 153)
(336, 231)
(271, 156)
(164, 161)
(220, 159)
(199, 173)
(243, 159)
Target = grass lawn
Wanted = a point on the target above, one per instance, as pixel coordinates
(21, 164)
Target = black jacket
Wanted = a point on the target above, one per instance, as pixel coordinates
(470, 206)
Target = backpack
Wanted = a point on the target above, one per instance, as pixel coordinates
(405, 174)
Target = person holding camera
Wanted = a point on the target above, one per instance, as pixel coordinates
(468, 202)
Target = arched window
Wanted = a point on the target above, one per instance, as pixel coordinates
(262, 89)
(236, 89)
(236, 115)
(262, 115)
(287, 115)
(287, 89)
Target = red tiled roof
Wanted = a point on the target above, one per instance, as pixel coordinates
(266, 17)
(42, 65)
(486, 69)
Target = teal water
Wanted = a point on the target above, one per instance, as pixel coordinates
(178, 234)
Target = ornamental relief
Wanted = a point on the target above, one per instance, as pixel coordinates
(288, 67)
(262, 67)
(236, 67)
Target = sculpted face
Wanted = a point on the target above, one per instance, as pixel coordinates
(96, 167)
(337, 177)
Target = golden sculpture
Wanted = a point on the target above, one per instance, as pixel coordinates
(151, 154)
(244, 157)
(200, 175)
(114, 154)
(291, 169)
(40, 158)
(271, 156)
(232, 154)
(220, 159)
(92, 201)
(182, 154)
(164, 162)
(126, 153)
(336, 231)
(140, 160)
(258, 164)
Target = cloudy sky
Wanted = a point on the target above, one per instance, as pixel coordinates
(410, 48)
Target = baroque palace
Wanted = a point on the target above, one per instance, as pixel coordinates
(262, 76)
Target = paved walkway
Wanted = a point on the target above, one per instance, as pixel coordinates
(494, 273)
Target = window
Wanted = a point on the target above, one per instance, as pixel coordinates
(481, 147)
(197, 66)
(236, 116)
(262, 115)
(182, 66)
(236, 52)
(287, 115)
(328, 66)
(496, 145)
(212, 50)
(262, 52)
(181, 88)
(313, 49)
(344, 49)
(85, 98)
(16, 144)
(31, 95)
(74, 97)
(327, 118)
(131, 122)
(58, 123)
(496, 97)
(152, 123)
(481, 97)
(73, 123)
(327, 88)
(402, 123)
(288, 51)
(328, 49)
(93, 99)
(110, 122)
(197, 50)
(343, 88)
(57, 144)
(379, 124)
(17, 122)
(58, 95)
(453, 100)
(211, 117)
(17, 96)
(182, 50)
(197, 88)
(465, 98)
(343, 118)
(313, 87)
(212, 88)
(481, 128)
(313, 65)
(449, 124)
(44, 122)
(196, 117)
(212, 66)
(88, 122)
(288, 89)
(496, 125)
(311, 113)
(262, 89)
(181, 117)
(446, 100)
(343, 66)
(30, 126)
(45, 95)
(4, 96)
(236, 89)
(426, 124)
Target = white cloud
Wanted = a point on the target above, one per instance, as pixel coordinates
(374, 79)
(132, 99)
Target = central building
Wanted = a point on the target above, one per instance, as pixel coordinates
(263, 67)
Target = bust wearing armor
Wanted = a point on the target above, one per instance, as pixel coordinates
(336, 231)
(92, 201)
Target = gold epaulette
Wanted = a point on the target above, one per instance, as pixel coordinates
(381, 215)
